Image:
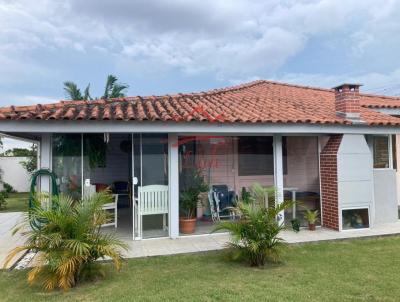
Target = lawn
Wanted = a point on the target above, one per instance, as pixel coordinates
(16, 202)
(358, 270)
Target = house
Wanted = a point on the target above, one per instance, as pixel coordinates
(332, 150)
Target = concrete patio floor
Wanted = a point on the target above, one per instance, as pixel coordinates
(200, 243)
(7, 241)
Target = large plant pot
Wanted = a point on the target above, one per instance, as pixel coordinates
(311, 226)
(187, 226)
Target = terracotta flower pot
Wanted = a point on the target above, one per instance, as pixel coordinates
(311, 226)
(187, 226)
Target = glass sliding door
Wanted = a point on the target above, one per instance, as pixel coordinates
(107, 163)
(150, 166)
(67, 163)
(223, 169)
(301, 177)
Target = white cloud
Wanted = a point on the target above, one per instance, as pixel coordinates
(373, 82)
(219, 39)
(23, 99)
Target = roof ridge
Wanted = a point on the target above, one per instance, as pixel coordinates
(297, 85)
(397, 98)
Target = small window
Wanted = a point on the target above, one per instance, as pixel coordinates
(355, 219)
(381, 152)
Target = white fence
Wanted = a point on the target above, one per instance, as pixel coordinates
(14, 173)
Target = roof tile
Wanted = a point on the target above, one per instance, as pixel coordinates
(255, 102)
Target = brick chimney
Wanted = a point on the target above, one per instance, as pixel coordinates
(347, 101)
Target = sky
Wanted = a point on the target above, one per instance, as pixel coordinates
(168, 46)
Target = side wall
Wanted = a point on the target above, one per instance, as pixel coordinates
(385, 196)
(14, 173)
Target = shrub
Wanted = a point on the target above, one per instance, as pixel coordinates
(3, 201)
(255, 235)
(69, 241)
(8, 188)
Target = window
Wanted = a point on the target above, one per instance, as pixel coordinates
(255, 155)
(381, 152)
(355, 219)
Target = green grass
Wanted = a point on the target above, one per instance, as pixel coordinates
(16, 202)
(359, 270)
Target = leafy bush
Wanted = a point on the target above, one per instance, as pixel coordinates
(30, 165)
(8, 188)
(69, 241)
(255, 235)
(3, 201)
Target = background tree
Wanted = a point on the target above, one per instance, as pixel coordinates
(113, 89)
(30, 164)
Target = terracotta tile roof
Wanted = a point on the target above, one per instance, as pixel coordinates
(256, 102)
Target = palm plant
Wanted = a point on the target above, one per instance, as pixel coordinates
(254, 237)
(113, 89)
(311, 216)
(74, 93)
(69, 241)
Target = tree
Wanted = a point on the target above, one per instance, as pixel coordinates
(113, 89)
(30, 164)
(17, 152)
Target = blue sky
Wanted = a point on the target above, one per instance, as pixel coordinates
(161, 46)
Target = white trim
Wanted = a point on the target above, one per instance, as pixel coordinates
(133, 186)
(82, 162)
(173, 182)
(45, 161)
(278, 173)
(62, 126)
(390, 153)
(319, 179)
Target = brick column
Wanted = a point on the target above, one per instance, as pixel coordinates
(329, 184)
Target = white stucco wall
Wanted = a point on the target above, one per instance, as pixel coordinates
(14, 173)
(385, 196)
(355, 174)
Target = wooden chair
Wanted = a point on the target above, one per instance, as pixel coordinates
(152, 200)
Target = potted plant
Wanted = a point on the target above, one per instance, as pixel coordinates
(295, 225)
(189, 199)
(311, 217)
